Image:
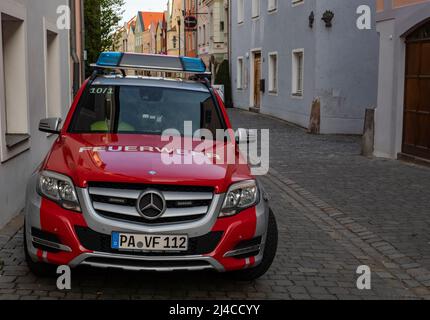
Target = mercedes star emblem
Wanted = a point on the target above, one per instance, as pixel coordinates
(151, 204)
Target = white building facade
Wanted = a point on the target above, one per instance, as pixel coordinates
(305, 61)
(35, 83)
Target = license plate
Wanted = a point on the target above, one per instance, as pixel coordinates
(146, 242)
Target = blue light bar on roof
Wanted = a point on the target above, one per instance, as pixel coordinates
(150, 62)
(193, 64)
(109, 59)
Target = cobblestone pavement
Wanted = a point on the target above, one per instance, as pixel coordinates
(335, 209)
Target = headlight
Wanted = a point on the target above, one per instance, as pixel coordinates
(240, 196)
(58, 188)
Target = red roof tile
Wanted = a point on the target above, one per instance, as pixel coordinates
(150, 17)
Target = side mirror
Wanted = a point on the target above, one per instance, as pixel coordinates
(245, 136)
(50, 125)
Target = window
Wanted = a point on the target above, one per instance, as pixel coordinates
(255, 8)
(204, 34)
(240, 11)
(272, 5)
(240, 73)
(53, 81)
(143, 110)
(200, 35)
(13, 64)
(297, 77)
(273, 72)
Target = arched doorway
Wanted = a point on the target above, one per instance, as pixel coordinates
(416, 128)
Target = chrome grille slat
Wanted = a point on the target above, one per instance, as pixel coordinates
(131, 211)
(181, 205)
(184, 212)
(185, 196)
(116, 193)
(134, 194)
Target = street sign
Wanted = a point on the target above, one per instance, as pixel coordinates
(190, 22)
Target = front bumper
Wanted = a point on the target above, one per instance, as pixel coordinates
(218, 243)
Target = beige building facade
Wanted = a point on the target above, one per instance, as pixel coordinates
(402, 116)
(213, 31)
(175, 32)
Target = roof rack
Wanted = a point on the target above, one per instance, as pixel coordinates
(151, 62)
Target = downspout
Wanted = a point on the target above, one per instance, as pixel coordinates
(185, 32)
(196, 13)
(83, 60)
(229, 34)
(180, 42)
(165, 38)
(230, 52)
(75, 58)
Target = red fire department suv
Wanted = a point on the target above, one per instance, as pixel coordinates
(113, 192)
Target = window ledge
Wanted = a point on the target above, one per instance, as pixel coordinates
(297, 96)
(14, 140)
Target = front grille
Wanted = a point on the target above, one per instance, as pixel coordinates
(119, 263)
(160, 187)
(118, 201)
(122, 217)
(99, 242)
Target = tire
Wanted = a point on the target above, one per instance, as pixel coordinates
(39, 269)
(270, 249)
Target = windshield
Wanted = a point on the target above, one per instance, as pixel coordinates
(143, 110)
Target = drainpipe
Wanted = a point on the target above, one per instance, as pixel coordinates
(75, 58)
(180, 42)
(229, 34)
(185, 31)
(83, 62)
(196, 8)
(229, 45)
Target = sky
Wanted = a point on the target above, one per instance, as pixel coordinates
(132, 6)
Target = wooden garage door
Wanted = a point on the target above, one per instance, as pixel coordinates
(416, 133)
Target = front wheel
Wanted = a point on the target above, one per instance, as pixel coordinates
(270, 249)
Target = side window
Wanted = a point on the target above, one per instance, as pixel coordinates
(53, 79)
(297, 72)
(95, 111)
(13, 79)
(240, 11)
(239, 73)
(210, 119)
(273, 72)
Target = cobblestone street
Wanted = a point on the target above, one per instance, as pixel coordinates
(336, 210)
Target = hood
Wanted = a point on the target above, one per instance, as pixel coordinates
(145, 159)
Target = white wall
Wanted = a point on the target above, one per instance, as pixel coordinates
(340, 63)
(31, 78)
